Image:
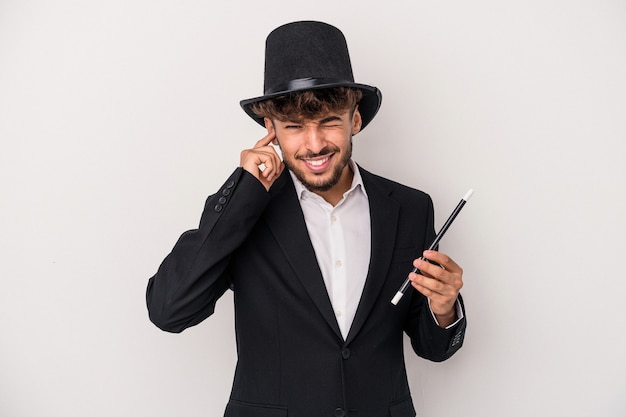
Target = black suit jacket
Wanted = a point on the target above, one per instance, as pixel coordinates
(292, 359)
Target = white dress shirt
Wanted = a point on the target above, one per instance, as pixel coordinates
(341, 238)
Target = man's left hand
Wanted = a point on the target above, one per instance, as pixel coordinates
(441, 284)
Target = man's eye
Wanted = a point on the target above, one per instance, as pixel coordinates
(292, 127)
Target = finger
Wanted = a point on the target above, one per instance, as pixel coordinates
(442, 297)
(271, 166)
(428, 286)
(259, 155)
(443, 260)
(266, 140)
(451, 279)
(431, 270)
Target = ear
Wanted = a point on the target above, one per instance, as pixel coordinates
(356, 122)
(269, 125)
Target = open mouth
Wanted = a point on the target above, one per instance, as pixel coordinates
(318, 164)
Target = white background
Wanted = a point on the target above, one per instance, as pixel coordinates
(118, 118)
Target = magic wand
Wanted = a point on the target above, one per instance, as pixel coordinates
(433, 245)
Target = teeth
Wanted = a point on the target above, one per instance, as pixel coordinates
(317, 162)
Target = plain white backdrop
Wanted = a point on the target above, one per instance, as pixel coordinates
(118, 119)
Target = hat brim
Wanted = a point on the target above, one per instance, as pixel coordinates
(368, 106)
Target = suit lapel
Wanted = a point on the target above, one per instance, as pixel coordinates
(286, 221)
(384, 213)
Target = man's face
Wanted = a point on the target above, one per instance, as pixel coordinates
(318, 151)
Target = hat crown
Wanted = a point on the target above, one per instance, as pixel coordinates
(305, 50)
(309, 55)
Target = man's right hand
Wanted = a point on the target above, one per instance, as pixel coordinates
(263, 161)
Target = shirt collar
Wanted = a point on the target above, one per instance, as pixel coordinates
(357, 183)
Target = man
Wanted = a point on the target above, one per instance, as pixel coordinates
(315, 252)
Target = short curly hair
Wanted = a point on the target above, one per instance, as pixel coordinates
(308, 104)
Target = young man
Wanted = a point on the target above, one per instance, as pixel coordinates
(315, 252)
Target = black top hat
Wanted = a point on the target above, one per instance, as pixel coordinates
(310, 55)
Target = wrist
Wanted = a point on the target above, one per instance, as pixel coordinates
(446, 319)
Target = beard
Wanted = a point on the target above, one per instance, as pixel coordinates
(321, 183)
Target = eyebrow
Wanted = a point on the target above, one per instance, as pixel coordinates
(330, 119)
(322, 121)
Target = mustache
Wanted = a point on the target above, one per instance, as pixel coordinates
(323, 152)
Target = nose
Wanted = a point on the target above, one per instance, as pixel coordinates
(314, 138)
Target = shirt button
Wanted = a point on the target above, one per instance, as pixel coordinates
(333, 218)
(338, 263)
(338, 313)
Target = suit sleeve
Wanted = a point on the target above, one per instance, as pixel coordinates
(428, 339)
(195, 274)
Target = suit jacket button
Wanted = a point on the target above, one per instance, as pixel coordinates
(222, 200)
(226, 191)
(218, 208)
(230, 184)
(339, 412)
(345, 353)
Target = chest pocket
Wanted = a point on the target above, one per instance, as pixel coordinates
(402, 262)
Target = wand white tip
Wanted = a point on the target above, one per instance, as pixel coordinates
(468, 194)
(396, 298)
